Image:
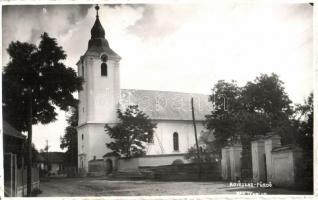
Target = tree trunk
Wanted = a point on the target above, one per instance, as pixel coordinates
(29, 164)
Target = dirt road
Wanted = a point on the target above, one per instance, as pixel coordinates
(64, 187)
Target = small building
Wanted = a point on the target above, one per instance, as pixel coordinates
(55, 162)
(15, 173)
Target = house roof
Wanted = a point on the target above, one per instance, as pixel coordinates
(166, 105)
(11, 131)
(54, 157)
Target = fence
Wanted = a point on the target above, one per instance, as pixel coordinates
(15, 180)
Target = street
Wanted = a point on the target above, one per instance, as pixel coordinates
(63, 187)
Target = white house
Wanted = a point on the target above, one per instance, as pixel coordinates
(102, 96)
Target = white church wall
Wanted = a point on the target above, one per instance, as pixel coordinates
(97, 141)
(82, 145)
(105, 92)
(100, 95)
(164, 135)
(92, 140)
(82, 94)
(82, 138)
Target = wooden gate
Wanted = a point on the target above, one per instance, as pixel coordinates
(10, 174)
(246, 161)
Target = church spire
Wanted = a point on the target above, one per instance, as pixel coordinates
(97, 8)
(97, 31)
(98, 40)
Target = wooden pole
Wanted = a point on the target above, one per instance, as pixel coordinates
(29, 166)
(196, 136)
(47, 157)
(22, 164)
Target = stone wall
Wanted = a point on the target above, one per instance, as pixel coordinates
(186, 172)
(272, 162)
(283, 166)
(133, 164)
(96, 167)
(286, 165)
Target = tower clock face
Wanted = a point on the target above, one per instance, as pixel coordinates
(104, 58)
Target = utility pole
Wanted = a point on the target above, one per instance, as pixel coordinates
(196, 136)
(29, 166)
(47, 156)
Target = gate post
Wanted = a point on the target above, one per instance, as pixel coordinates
(258, 162)
(235, 161)
(225, 163)
(271, 141)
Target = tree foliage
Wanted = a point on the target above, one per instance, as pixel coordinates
(69, 140)
(208, 150)
(258, 107)
(35, 81)
(305, 123)
(132, 132)
(226, 100)
(38, 69)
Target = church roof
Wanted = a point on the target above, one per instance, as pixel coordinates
(54, 157)
(166, 105)
(97, 31)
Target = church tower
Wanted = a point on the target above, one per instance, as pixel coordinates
(99, 99)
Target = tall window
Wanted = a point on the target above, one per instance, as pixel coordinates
(104, 59)
(175, 141)
(104, 69)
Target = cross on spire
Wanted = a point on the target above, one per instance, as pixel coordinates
(97, 8)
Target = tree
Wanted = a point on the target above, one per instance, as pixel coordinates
(35, 81)
(208, 149)
(267, 100)
(240, 113)
(259, 107)
(132, 132)
(69, 140)
(305, 124)
(222, 121)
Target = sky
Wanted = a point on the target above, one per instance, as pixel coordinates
(177, 47)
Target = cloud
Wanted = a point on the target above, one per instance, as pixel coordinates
(57, 20)
(156, 20)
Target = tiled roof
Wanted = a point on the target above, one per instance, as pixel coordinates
(54, 157)
(164, 105)
(11, 131)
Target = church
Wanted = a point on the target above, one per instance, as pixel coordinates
(102, 96)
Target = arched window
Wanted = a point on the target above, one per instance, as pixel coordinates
(104, 69)
(82, 136)
(175, 141)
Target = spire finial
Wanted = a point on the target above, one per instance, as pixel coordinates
(97, 8)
